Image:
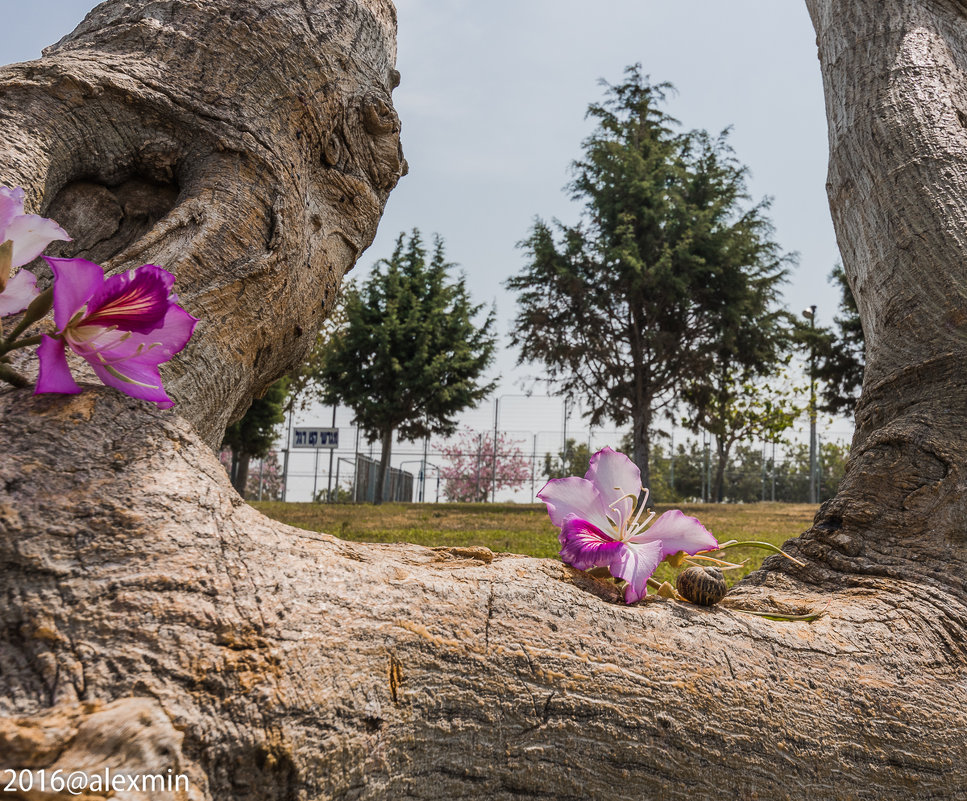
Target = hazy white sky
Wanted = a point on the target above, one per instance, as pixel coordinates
(492, 102)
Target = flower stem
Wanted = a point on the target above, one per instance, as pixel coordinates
(755, 544)
(723, 564)
(6, 346)
(38, 307)
(11, 376)
(808, 618)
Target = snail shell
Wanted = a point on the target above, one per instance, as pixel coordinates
(701, 585)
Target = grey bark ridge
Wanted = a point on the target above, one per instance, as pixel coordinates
(150, 619)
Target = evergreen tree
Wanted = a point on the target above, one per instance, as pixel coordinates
(841, 353)
(410, 356)
(306, 381)
(750, 334)
(255, 433)
(574, 461)
(623, 308)
(737, 409)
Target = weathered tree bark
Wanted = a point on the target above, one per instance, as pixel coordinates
(249, 147)
(151, 620)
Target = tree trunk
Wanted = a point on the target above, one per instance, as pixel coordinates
(641, 441)
(382, 477)
(240, 479)
(722, 454)
(153, 621)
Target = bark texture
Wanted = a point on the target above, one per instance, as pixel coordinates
(248, 147)
(149, 619)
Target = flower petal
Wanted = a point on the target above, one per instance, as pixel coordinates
(54, 375)
(19, 292)
(11, 205)
(577, 497)
(134, 378)
(155, 347)
(618, 480)
(75, 281)
(171, 336)
(130, 365)
(635, 562)
(584, 545)
(133, 301)
(31, 234)
(676, 532)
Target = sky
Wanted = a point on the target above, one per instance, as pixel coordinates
(492, 103)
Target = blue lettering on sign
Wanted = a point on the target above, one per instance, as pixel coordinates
(316, 438)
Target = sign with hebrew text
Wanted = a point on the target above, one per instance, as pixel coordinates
(315, 438)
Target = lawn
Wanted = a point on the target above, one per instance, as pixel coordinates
(525, 528)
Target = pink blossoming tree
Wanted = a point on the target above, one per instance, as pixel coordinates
(471, 466)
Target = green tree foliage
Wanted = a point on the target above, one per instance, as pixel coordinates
(306, 383)
(624, 308)
(840, 353)
(255, 433)
(410, 356)
(792, 472)
(574, 461)
(748, 477)
(741, 408)
(734, 396)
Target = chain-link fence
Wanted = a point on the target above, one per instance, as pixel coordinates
(684, 467)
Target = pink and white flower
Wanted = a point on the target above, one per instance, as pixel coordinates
(28, 235)
(123, 326)
(601, 526)
(18, 293)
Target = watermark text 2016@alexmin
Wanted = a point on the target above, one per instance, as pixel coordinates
(76, 782)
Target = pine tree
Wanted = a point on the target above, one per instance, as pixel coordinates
(625, 309)
(411, 355)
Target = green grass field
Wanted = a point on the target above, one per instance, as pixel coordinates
(526, 528)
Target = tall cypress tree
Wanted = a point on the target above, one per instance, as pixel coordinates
(749, 334)
(411, 355)
(624, 308)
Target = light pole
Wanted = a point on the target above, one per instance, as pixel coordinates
(564, 459)
(493, 463)
(288, 446)
(810, 314)
(332, 453)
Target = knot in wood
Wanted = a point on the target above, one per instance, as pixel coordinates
(332, 150)
(379, 118)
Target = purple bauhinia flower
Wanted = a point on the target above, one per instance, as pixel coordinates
(28, 235)
(600, 526)
(124, 326)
